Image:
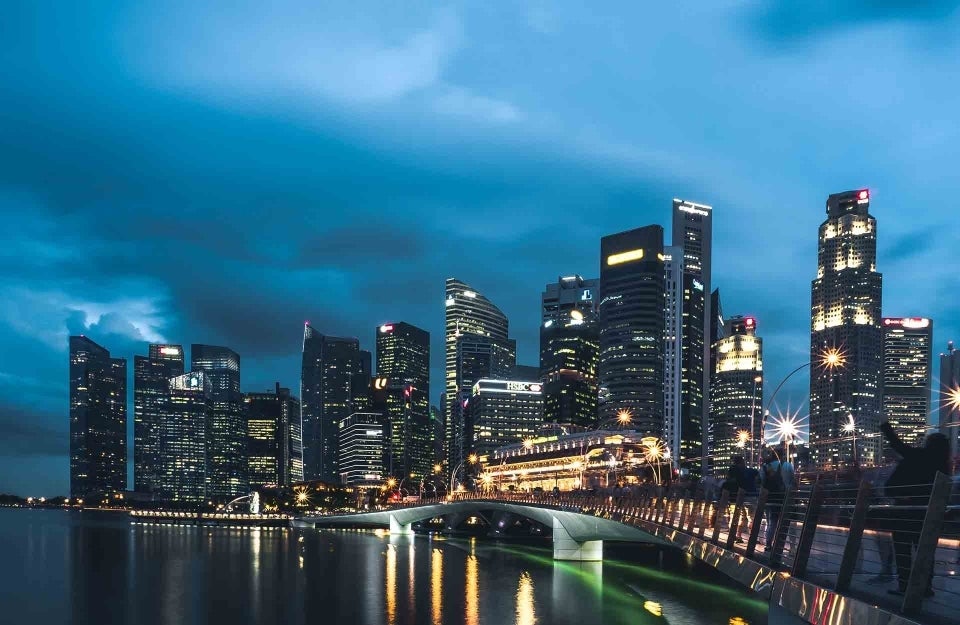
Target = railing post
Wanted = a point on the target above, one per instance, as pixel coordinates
(757, 521)
(734, 530)
(809, 529)
(707, 505)
(668, 510)
(691, 518)
(783, 528)
(683, 512)
(858, 521)
(927, 544)
(721, 508)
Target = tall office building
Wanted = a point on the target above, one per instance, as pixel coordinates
(949, 403)
(332, 384)
(672, 347)
(98, 420)
(226, 431)
(569, 356)
(693, 232)
(467, 312)
(503, 412)
(907, 375)
(403, 353)
(362, 448)
(151, 389)
(185, 418)
(717, 332)
(477, 357)
(406, 421)
(632, 327)
(737, 395)
(274, 442)
(846, 347)
(566, 294)
(438, 431)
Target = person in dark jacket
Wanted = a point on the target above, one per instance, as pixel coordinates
(911, 484)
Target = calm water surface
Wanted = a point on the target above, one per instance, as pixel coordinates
(81, 567)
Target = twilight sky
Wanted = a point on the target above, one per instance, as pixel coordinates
(220, 173)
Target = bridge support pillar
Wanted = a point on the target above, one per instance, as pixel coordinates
(566, 548)
(396, 528)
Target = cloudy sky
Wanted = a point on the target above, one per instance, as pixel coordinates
(221, 173)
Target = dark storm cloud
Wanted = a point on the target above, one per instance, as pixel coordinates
(910, 244)
(27, 432)
(797, 19)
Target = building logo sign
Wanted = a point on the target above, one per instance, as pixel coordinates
(170, 351)
(624, 257)
(911, 323)
(380, 383)
(586, 296)
(530, 387)
(386, 328)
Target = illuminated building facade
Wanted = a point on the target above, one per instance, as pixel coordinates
(949, 394)
(845, 320)
(274, 441)
(907, 375)
(569, 357)
(477, 358)
(632, 327)
(501, 412)
(226, 430)
(672, 346)
(717, 332)
(362, 449)
(693, 234)
(566, 294)
(151, 389)
(591, 460)
(98, 420)
(334, 380)
(737, 395)
(184, 457)
(467, 312)
(406, 422)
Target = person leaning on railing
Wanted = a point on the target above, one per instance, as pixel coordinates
(910, 486)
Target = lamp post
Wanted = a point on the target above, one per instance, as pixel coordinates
(850, 427)
(472, 459)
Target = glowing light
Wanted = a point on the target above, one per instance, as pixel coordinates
(386, 328)
(832, 357)
(849, 426)
(301, 495)
(624, 257)
(863, 195)
(528, 443)
(653, 608)
(437, 468)
(953, 398)
(742, 437)
(576, 314)
(473, 458)
(784, 427)
(391, 482)
(624, 417)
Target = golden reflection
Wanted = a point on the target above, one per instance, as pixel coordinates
(436, 586)
(525, 608)
(653, 608)
(391, 584)
(472, 607)
(411, 597)
(736, 620)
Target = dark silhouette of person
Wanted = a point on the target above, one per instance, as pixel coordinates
(911, 485)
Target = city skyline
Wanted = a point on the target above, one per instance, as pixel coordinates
(128, 273)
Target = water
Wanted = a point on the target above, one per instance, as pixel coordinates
(70, 567)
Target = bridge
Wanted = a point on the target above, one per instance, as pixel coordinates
(576, 536)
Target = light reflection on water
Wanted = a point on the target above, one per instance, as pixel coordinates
(107, 572)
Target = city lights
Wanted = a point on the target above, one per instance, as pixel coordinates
(624, 417)
(832, 358)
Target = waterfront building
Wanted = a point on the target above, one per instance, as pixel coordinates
(151, 389)
(362, 448)
(334, 382)
(907, 376)
(737, 395)
(569, 357)
(406, 423)
(98, 420)
(501, 412)
(846, 346)
(632, 327)
(566, 294)
(226, 430)
(184, 454)
(274, 439)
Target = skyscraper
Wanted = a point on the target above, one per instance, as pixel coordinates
(673, 347)
(632, 326)
(503, 412)
(403, 358)
(362, 449)
(98, 420)
(184, 442)
(846, 348)
(226, 430)
(569, 356)
(151, 389)
(467, 312)
(406, 421)
(949, 394)
(907, 374)
(274, 442)
(331, 379)
(566, 294)
(737, 395)
(693, 233)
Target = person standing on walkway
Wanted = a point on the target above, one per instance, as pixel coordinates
(910, 486)
(777, 479)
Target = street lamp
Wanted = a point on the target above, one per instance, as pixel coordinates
(850, 427)
(472, 459)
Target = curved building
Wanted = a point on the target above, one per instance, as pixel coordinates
(632, 327)
(468, 312)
